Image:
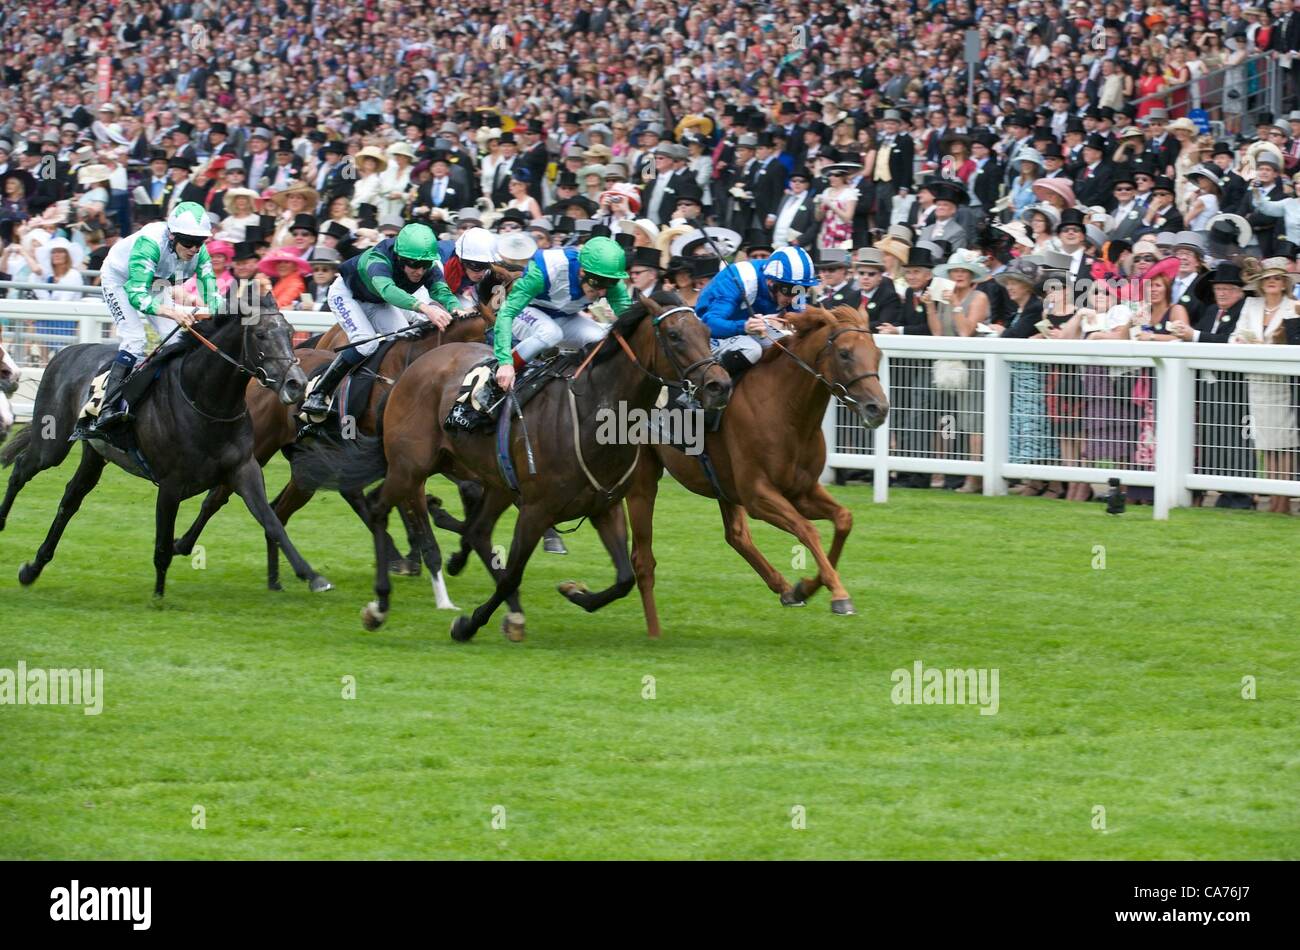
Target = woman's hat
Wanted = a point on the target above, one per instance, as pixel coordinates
(282, 255)
(966, 260)
(224, 248)
(228, 200)
(1256, 273)
(1230, 229)
(281, 198)
(370, 151)
(1017, 231)
(1021, 269)
(1029, 155)
(1203, 173)
(1182, 125)
(1060, 187)
(401, 148)
(1047, 211)
(515, 246)
(91, 174)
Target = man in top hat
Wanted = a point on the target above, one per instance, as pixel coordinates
(1125, 208)
(1072, 233)
(658, 194)
(985, 183)
(877, 297)
(836, 288)
(756, 245)
(945, 226)
(767, 181)
(441, 191)
(178, 176)
(735, 183)
(645, 269)
(893, 168)
(1093, 176)
(324, 263)
(795, 217)
(1268, 184)
(534, 156)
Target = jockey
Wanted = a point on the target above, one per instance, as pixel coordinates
(373, 295)
(467, 260)
(543, 307)
(742, 306)
(170, 250)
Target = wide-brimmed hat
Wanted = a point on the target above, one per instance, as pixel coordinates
(371, 151)
(515, 246)
(1182, 125)
(91, 174)
(1051, 260)
(401, 148)
(892, 245)
(228, 200)
(1230, 229)
(967, 260)
(1060, 187)
(1269, 267)
(1021, 269)
(1047, 211)
(282, 255)
(1028, 155)
(1017, 231)
(1204, 173)
(726, 241)
(281, 197)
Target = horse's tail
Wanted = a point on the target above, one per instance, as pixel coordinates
(329, 461)
(15, 447)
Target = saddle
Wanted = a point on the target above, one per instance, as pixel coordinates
(353, 395)
(135, 390)
(479, 401)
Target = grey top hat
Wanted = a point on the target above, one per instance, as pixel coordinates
(869, 256)
(324, 255)
(1161, 115)
(469, 214)
(1190, 240)
(1166, 239)
(1293, 115)
(901, 232)
(747, 141)
(892, 115)
(1051, 260)
(833, 257)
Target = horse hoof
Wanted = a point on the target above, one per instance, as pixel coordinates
(461, 630)
(793, 598)
(572, 589)
(179, 549)
(843, 607)
(372, 618)
(404, 567)
(320, 584)
(274, 585)
(513, 627)
(554, 545)
(28, 573)
(456, 564)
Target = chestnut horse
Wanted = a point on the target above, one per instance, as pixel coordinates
(769, 453)
(274, 427)
(578, 473)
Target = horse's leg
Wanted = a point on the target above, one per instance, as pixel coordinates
(429, 550)
(163, 538)
(375, 613)
(247, 483)
(641, 512)
(409, 565)
(528, 531)
(213, 502)
(820, 505)
(612, 527)
(471, 499)
(27, 464)
(767, 503)
(358, 501)
(738, 536)
(477, 537)
(82, 482)
(292, 497)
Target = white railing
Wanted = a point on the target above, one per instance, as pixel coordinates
(1194, 404)
(1187, 453)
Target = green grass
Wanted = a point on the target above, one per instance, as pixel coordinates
(1118, 687)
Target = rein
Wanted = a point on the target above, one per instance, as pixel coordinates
(257, 372)
(838, 390)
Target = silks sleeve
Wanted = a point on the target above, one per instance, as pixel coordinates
(619, 298)
(140, 269)
(378, 274)
(521, 295)
(719, 304)
(439, 292)
(207, 281)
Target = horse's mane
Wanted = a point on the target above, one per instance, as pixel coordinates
(631, 318)
(814, 318)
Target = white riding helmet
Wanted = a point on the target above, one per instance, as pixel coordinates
(477, 245)
(191, 218)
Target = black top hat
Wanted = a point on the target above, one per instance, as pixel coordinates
(1021, 117)
(677, 265)
(184, 127)
(689, 191)
(1163, 183)
(218, 127)
(986, 138)
(302, 222)
(645, 257)
(1052, 150)
(573, 118)
(625, 241)
(245, 250)
(756, 239)
(566, 179)
(945, 190)
(254, 234)
(1072, 216)
(513, 214)
(157, 155)
(534, 126)
(179, 162)
(507, 138)
(1073, 124)
(336, 229)
(1226, 273)
(1222, 148)
(1095, 141)
(705, 266)
(766, 139)
(919, 257)
(1123, 176)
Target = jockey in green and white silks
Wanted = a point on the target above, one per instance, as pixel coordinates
(543, 308)
(374, 295)
(170, 251)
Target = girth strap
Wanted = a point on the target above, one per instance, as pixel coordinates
(577, 449)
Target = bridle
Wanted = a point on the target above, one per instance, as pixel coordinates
(839, 390)
(257, 372)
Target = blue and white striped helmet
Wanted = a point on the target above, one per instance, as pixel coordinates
(791, 265)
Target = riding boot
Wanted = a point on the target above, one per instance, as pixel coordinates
(317, 404)
(110, 415)
(552, 543)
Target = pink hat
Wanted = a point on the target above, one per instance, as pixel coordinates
(282, 255)
(1060, 187)
(224, 248)
(1167, 268)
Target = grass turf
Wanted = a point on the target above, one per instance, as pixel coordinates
(1119, 688)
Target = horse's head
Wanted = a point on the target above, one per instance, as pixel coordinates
(683, 342)
(267, 347)
(9, 374)
(839, 344)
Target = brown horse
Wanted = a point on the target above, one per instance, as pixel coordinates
(769, 453)
(274, 427)
(578, 473)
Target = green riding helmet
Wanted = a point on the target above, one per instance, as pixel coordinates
(416, 242)
(603, 257)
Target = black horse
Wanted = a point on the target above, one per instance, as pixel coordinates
(192, 432)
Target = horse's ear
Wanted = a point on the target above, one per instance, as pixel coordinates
(652, 306)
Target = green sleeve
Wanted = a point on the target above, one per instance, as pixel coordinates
(521, 295)
(206, 280)
(619, 298)
(442, 294)
(382, 284)
(140, 269)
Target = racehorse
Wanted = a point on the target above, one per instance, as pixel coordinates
(275, 426)
(192, 433)
(576, 476)
(769, 453)
(9, 376)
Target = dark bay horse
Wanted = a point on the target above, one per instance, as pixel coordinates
(274, 427)
(193, 431)
(769, 453)
(576, 475)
